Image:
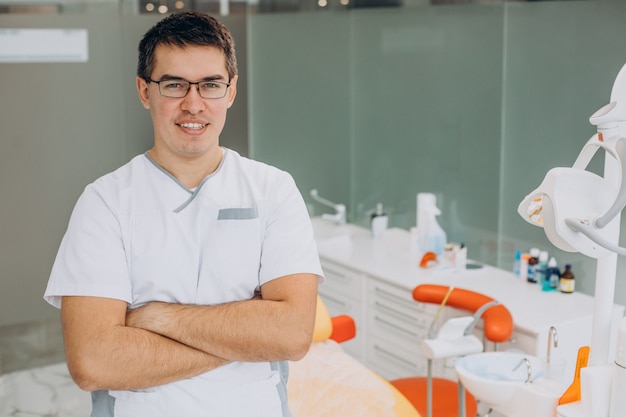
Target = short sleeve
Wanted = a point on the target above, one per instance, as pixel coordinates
(289, 245)
(91, 260)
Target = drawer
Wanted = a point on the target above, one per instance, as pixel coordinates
(398, 299)
(339, 279)
(402, 330)
(338, 304)
(391, 361)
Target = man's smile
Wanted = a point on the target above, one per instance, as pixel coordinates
(194, 126)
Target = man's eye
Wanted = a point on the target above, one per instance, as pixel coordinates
(209, 85)
(174, 85)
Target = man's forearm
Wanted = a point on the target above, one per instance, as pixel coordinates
(117, 357)
(252, 330)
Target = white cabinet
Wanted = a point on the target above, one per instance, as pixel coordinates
(343, 292)
(396, 326)
(372, 281)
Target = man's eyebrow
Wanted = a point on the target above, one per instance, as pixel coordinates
(216, 77)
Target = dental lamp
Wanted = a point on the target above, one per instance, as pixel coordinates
(580, 211)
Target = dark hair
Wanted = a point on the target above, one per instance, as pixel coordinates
(184, 29)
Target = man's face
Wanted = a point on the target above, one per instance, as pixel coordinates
(190, 126)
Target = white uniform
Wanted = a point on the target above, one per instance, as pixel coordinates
(139, 235)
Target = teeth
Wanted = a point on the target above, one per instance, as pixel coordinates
(192, 125)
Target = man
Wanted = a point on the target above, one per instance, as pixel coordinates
(187, 277)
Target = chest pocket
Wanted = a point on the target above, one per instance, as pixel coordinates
(203, 255)
(238, 213)
(231, 256)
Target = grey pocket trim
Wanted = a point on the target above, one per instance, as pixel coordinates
(238, 213)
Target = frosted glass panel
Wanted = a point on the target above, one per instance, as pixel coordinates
(300, 75)
(472, 103)
(381, 104)
(427, 116)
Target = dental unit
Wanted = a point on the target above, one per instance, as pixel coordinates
(580, 212)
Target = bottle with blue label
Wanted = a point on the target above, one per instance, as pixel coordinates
(541, 269)
(517, 262)
(552, 276)
(532, 265)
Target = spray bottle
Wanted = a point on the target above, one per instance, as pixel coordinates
(431, 238)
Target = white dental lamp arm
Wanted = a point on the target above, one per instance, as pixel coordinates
(589, 226)
(620, 200)
(611, 121)
(580, 212)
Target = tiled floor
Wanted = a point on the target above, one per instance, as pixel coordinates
(47, 391)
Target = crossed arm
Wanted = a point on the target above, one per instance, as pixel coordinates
(108, 347)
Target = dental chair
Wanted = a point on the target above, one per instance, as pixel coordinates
(328, 382)
(442, 396)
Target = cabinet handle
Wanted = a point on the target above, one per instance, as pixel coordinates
(396, 357)
(336, 274)
(399, 315)
(392, 297)
(395, 327)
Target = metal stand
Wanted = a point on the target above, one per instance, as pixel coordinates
(429, 393)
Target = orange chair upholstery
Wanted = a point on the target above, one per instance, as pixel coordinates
(344, 328)
(498, 328)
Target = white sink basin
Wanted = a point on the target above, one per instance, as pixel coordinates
(494, 377)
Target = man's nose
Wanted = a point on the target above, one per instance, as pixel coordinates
(193, 102)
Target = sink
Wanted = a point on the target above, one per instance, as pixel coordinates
(493, 377)
(496, 379)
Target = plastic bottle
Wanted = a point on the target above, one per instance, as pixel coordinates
(567, 282)
(523, 266)
(552, 276)
(379, 221)
(541, 268)
(532, 262)
(432, 238)
(517, 262)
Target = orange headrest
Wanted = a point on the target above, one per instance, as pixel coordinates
(498, 320)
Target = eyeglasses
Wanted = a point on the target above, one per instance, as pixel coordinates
(178, 88)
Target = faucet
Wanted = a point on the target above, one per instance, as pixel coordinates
(553, 338)
(529, 369)
(339, 216)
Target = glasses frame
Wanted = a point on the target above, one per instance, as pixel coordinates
(197, 84)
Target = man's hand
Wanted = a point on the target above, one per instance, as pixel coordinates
(275, 326)
(103, 353)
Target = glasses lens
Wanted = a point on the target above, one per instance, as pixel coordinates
(212, 89)
(174, 88)
(179, 88)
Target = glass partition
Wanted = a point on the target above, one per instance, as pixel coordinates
(471, 102)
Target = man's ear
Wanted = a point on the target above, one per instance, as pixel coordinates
(232, 91)
(142, 90)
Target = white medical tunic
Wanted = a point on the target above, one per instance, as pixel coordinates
(139, 235)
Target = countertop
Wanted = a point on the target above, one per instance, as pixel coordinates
(388, 258)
